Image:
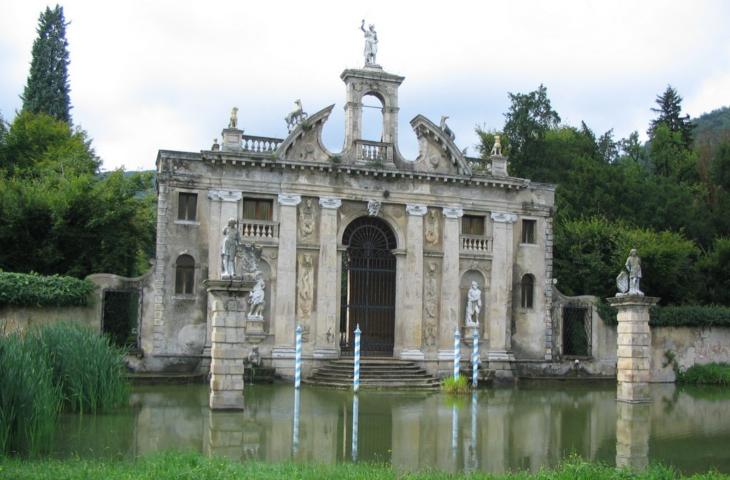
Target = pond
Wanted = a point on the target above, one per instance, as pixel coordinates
(493, 430)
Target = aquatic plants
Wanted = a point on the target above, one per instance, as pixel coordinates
(50, 368)
(458, 385)
(708, 374)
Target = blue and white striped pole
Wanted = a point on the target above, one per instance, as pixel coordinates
(457, 352)
(356, 372)
(475, 359)
(298, 358)
(355, 422)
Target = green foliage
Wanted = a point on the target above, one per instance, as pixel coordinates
(669, 155)
(714, 269)
(55, 366)
(690, 316)
(29, 397)
(175, 465)
(47, 89)
(708, 374)
(670, 115)
(36, 290)
(456, 386)
(89, 370)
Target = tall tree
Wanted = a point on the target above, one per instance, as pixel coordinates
(47, 89)
(670, 114)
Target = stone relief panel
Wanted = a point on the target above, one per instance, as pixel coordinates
(393, 214)
(431, 296)
(305, 292)
(432, 230)
(307, 230)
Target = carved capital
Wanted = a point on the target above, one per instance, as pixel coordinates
(453, 212)
(503, 217)
(330, 202)
(224, 195)
(289, 199)
(416, 210)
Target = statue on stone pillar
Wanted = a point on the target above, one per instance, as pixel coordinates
(256, 299)
(229, 246)
(233, 122)
(629, 279)
(371, 43)
(473, 305)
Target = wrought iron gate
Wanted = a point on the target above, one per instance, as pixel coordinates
(368, 287)
(120, 317)
(577, 332)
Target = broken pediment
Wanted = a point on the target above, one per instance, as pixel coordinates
(436, 149)
(304, 143)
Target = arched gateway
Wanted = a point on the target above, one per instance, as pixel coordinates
(368, 286)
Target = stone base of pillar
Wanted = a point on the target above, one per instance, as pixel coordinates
(412, 355)
(500, 362)
(226, 399)
(633, 371)
(282, 359)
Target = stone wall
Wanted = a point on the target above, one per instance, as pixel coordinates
(19, 319)
(690, 346)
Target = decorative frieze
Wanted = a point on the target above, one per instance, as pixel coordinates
(416, 210)
(330, 202)
(224, 195)
(502, 217)
(289, 199)
(453, 212)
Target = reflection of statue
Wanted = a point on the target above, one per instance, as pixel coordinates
(256, 299)
(371, 43)
(233, 122)
(306, 219)
(373, 208)
(251, 256)
(229, 245)
(473, 305)
(432, 228)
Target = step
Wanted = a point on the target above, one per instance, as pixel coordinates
(381, 372)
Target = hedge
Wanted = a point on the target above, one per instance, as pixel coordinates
(31, 289)
(676, 316)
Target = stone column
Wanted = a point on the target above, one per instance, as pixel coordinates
(450, 280)
(634, 347)
(223, 206)
(325, 345)
(500, 295)
(412, 314)
(227, 319)
(632, 435)
(286, 280)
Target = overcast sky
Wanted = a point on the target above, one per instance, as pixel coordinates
(149, 75)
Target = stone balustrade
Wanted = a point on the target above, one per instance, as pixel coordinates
(369, 151)
(250, 143)
(476, 244)
(259, 229)
(479, 165)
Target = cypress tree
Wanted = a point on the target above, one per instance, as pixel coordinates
(47, 89)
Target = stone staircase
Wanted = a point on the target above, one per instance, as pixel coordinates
(384, 373)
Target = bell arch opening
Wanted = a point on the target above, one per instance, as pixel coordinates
(368, 287)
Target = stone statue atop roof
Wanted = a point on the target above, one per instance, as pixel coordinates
(371, 44)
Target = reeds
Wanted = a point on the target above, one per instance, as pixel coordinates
(50, 368)
(458, 385)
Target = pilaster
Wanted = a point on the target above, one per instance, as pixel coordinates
(500, 299)
(326, 330)
(450, 297)
(413, 312)
(286, 269)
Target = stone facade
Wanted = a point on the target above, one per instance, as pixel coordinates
(448, 219)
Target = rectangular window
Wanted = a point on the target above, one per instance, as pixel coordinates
(472, 225)
(256, 209)
(187, 206)
(528, 231)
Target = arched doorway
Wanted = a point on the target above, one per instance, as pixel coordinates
(368, 287)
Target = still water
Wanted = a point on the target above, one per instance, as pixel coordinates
(494, 430)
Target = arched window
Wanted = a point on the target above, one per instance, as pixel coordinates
(528, 291)
(184, 275)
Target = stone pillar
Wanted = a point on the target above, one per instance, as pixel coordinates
(450, 280)
(227, 319)
(500, 295)
(286, 280)
(223, 206)
(412, 314)
(632, 435)
(326, 330)
(231, 139)
(633, 370)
